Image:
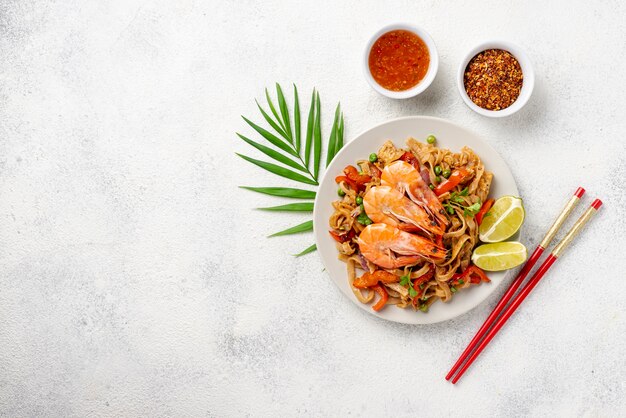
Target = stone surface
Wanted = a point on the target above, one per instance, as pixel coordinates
(136, 280)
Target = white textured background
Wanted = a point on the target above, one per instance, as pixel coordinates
(136, 280)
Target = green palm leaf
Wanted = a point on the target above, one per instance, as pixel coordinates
(303, 227)
(281, 171)
(273, 154)
(271, 121)
(291, 207)
(273, 109)
(283, 192)
(291, 142)
(309, 130)
(339, 135)
(284, 111)
(296, 117)
(332, 140)
(306, 251)
(273, 139)
(317, 138)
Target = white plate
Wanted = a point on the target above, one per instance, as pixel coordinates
(449, 135)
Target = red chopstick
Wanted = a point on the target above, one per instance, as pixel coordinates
(571, 204)
(517, 301)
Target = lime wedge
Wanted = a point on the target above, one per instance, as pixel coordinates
(504, 219)
(499, 256)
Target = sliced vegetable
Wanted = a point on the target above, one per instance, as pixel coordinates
(382, 292)
(341, 238)
(477, 271)
(411, 159)
(455, 179)
(353, 174)
(372, 279)
(483, 210)
(472, 273)
(356, 178)
(420, 281)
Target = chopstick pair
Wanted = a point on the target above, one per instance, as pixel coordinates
(476, 346)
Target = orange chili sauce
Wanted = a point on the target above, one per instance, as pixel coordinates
(399, 60)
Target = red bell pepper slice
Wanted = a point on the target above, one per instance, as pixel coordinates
(349, 182)
(355, 180)
(455, 179)
(383, 297)
(473, 274)
(341, 238)
(410, 158)
(477, 271)
(353, 174)
(421, 280)
(483, 211)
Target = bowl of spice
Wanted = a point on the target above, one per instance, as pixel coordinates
(496, 79)
(400, 61)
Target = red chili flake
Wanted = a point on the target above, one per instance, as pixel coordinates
(493, 79)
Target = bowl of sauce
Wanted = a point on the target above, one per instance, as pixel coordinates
(400, 61)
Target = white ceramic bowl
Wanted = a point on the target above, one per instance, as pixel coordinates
(527, 70)
(432, 67)
(449, 135)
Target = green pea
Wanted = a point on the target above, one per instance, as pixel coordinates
(431, 139)
(446, 173)
(437, 179)
(340, 192)
(437, 169)
(432, 186)
(373, 157)
(359, 200)
(424, 308)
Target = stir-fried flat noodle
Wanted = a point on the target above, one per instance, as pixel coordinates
(459, 239)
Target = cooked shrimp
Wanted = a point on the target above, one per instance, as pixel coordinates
(389, 247)
(406, 179)
(384, 204)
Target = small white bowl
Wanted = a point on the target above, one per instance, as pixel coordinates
(527, 70)
(432, 66)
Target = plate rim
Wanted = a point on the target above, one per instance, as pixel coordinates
(331, 167)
